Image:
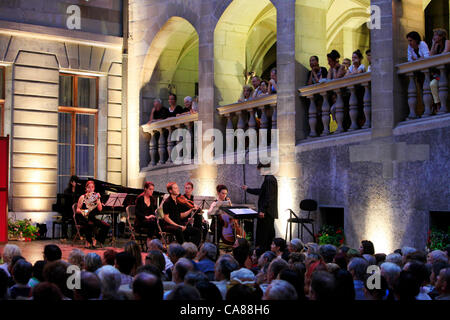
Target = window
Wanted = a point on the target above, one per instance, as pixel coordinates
(77, 128)
(2, 100)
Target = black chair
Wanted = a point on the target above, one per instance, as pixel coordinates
(305, 205)
(136, 235)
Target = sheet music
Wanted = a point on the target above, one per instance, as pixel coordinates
(243, 211)
(116, 200)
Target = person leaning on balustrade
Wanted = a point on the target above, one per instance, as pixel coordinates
(246, 93)
(440, 45)
(273, 86)
(158, 111)
(417, 49)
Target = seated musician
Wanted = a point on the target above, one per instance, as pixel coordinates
(173, 216)
(89, 205)
(71, 195)
(145, 212)
(224, 222)
(199, 222)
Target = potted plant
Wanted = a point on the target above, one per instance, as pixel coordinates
(22, 230)
(438, 239)
(330, 235)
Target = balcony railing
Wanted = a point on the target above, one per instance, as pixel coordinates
(161, 141)
(426, 78)
(252, 115)
(348, 100)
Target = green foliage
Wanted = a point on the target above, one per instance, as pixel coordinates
(22, 228)
(330, 235)
(438, 239)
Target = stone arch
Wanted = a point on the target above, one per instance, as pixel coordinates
(247, 30)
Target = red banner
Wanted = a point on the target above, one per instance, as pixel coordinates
(4, 157)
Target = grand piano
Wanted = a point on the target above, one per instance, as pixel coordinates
(64, 202)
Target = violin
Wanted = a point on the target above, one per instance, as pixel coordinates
(190, 204)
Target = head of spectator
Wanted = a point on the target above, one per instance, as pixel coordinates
(353, 253)
(90, 287)
(56, 272)
(52, 252)
(148, 287)
(295, 245)
(280, 290)
(135, 251)
(22, 272)
(375, 292)
(149, 268)
(156, 244)
(312, 247)
(193, 277)
(275, 267)
(92, 262)
(241, 254)
(76, 258)
(311, 258)
(38, 269)
(440, 36)
(109, 257)
(264, 86)
(110, 280)
(172, 100)
(356, 61)
(13, 263)
(332, 267)
(156, 258)
(380, 258)
(296, 257)
(414, 39)
(367, 247)
(47, 292)
(299, 268)
(244, 292)
(242, 276)
(188, 102)
(124, 262)
(9, 251)
(345, 289)
(208, 291)
(207, 251)
(358, 268)
(437, 255)
(390, 271)
(323, 286)
(278, 246)
(346, 63)
(394, 258)
(246, 93)
(180, 269)
(255, 82)
(273, 74)
(315, 266)
(419, 270)
(370, 259)
(191, 250)
(369, 56)
(176, 251)
(407, 286)
(3, 284)
(344, 249)
(265, 259)
(224, 266)
(183, 292)
(157, 104)
(328, 252)
(256, 254)
(333, 58)
(295, 280)
(443, 284)
(418, 255)
(341, 260)
(436, 268)
(314, 63)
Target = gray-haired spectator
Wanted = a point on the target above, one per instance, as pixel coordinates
(194, 277)
(156, 258)
(9, 251)
(225, 265)
(110, 279)
(246, 93)
(275, 267)
(280, 290)
(437, 255)
(76, 258)
(443, 284)
(184, 292)
(328, 252)
(189, 105)
(370, 259)
(394, 258)
(92, 262)
(206, 259)
(156, 244)
(180, 269)
(159, 112)
(358, 268)
(295, 245)
(256, 81)
(390, 271)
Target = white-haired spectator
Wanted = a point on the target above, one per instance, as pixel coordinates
(443, 284)
(92, 262)
(110, 279)
(225, 265)
(10, 251)
(295, 245)
(246, 93)
(159, 112)
(405, 252)
(76, 258)
(188, 106)
(280, 290)
(437, 255)
(390, 271)
(156, 244)
(312, 247)
(358, 268)
(394, 258)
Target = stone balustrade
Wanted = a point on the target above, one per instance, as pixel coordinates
(425, 76)
(255, 114)
(347, 99)
(162, 141)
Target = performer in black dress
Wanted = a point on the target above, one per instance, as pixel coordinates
(173, 216)
(145, 212)
(267, 208)
(71, 195)
(89, 205)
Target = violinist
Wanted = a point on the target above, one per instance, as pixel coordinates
(174, 213)
(199, 222)
(225, 225)
(89, 205)
(145, 211)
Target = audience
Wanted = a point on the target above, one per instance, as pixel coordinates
(356, 67)
(369, 59)
(336, 70)
(9, 251)
(92, 262)
(417, 49)
(109, 257)
(90, 287)
(52, 253)
(147, 287)
(21, 274)
(174, 109)
(38, 276)
(246, 93)
(158, 112)
(207, 259)
(273, 87)
(133, 249)
(256, 81)
(358, 268)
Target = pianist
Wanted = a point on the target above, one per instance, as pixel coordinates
(145, 212)
(89, 205)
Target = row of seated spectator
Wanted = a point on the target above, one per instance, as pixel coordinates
(159, 112)
(260, 88)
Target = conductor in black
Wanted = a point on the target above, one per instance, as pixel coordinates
(267, 207)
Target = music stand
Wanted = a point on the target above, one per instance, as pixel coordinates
(242, 212)
(115, 200)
